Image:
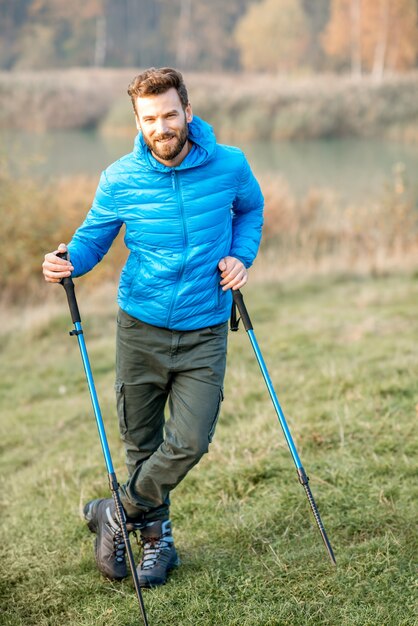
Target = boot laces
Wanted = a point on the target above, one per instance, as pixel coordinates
(152, 548)
(113, 525)
(118, 545)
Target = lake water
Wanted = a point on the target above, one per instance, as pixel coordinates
(353, 168)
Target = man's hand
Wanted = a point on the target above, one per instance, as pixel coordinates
(233, 272)
(54, 268)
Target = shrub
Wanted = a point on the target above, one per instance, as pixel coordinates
(240, 107)
(35, 218)
(319, 233)
(315, 233)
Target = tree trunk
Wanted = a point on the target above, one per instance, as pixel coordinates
(101, 41)
(183, 45)
(382, 41)
(355, 24)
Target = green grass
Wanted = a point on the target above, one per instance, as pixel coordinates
(343, 357)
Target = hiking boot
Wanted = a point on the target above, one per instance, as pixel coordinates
(159, 554)
(109, 545)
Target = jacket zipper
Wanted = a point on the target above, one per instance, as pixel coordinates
(176, 187)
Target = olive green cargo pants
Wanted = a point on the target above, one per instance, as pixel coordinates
(155, 365)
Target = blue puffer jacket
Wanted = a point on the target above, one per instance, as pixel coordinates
(180, 222)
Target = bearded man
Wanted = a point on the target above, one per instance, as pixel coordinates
(192, 211)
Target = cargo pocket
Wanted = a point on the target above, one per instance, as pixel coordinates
(120, 407)
(218, 410)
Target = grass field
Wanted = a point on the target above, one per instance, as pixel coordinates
(343, 356)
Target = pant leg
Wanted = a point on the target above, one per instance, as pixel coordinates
(141, 420)
(197, 369)
(142, 385)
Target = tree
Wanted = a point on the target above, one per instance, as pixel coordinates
(390, 35)
(273, 36)
(196, 35)
(12, 16)
(78, 27)
(373, 35)
(36, 47)
(317, 14)
(192, 34)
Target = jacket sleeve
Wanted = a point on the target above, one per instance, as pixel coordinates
(247, 217)
(94, 237)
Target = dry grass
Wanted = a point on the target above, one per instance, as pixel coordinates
(262, 107)
(36, 217)
(58, 99)
(319, 234)
(242, 107)
(316, 234)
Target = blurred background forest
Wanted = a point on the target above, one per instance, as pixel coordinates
(370, 36)
(322, 96)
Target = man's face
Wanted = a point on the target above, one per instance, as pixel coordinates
(163, 123)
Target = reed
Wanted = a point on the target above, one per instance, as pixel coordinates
(241, 107)
(315, 234)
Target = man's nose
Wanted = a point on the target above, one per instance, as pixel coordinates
(160, 126)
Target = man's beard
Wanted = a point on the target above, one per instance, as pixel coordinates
(170, 151)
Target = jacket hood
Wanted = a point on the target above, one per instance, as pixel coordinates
(204, 143)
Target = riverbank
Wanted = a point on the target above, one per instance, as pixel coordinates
(241, 107)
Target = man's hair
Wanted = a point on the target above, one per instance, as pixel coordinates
(155, 81)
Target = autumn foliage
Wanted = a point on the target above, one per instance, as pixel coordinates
(366, 36)
(373, 35)
(370, 36)
(273, 36)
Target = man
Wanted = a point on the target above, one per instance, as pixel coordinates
(192, 210)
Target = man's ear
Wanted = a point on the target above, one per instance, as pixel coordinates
(137, 122)
(189, 113)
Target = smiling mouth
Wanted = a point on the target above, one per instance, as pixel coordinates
(165, 139)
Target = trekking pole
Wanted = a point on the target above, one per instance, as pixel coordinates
(303, 478)
(68, 285)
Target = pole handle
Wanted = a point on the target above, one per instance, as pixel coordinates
(68, 285)
(239, 302)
